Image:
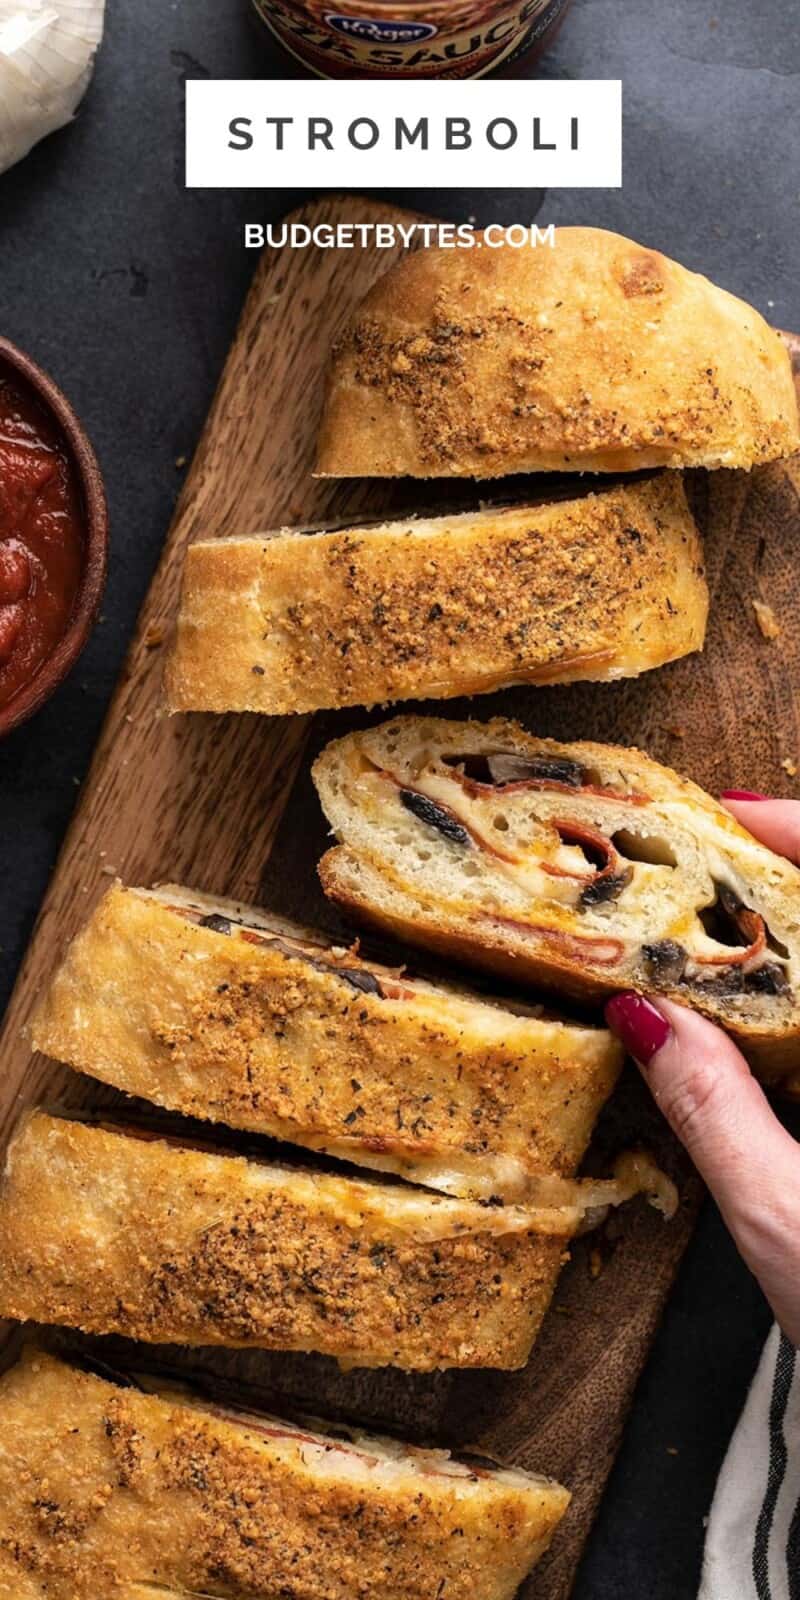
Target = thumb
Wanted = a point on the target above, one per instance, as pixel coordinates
(720, 1113)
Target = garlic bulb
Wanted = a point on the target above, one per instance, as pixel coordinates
(47, 50)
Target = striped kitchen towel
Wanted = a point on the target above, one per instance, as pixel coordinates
(753, 1541)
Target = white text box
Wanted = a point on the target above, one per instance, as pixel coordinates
(380, 134)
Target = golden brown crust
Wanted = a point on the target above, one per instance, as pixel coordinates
(401, 1073)
(109, 1494)
(112, 1233)
(597, 355)
(602, 587)
(525, 930)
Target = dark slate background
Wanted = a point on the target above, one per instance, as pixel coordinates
(128, 290)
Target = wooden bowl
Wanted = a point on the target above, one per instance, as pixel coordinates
(62, 658)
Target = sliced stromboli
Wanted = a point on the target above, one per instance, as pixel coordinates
(110, 1491)
(584, 867)
(602, 587)
(216, 1010)
(598, 355)
(120, 1231)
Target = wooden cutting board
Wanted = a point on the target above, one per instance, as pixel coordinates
(203, 800)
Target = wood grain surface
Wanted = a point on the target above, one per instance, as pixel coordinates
(203, 800)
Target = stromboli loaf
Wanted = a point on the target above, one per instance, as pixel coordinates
(216, 1010)
(584, 867)
(111, 1493)
(605, 586)
(121, 1232)
(598, 355)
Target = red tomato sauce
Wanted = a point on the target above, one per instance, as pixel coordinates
(41, 537)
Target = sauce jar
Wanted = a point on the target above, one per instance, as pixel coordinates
(411, 38)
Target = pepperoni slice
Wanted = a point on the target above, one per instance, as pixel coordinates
(594, 845)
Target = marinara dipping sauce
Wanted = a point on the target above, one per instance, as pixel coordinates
(41, 535)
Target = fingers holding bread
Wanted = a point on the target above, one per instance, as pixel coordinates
(583, 867)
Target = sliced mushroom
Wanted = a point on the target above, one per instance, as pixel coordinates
(498, 768)
(604, 889)
(541, 769)
(666, 960)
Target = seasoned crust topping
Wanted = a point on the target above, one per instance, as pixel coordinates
(597, 354)
(257, 1032)
(558, 591)
(103, 1491)
(604, 586)
(432, 375)
(113, 1233)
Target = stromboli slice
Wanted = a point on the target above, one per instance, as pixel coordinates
(111, 1231)
(598, 355)
(602, 587)
(585, 867)
(216, 1010)
(111, 1493)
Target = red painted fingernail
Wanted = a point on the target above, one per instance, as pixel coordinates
(638, 1024)
(742, 794)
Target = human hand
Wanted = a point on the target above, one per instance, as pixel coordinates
(720, 1113)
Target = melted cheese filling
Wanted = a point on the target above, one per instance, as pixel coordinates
(584, 867)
